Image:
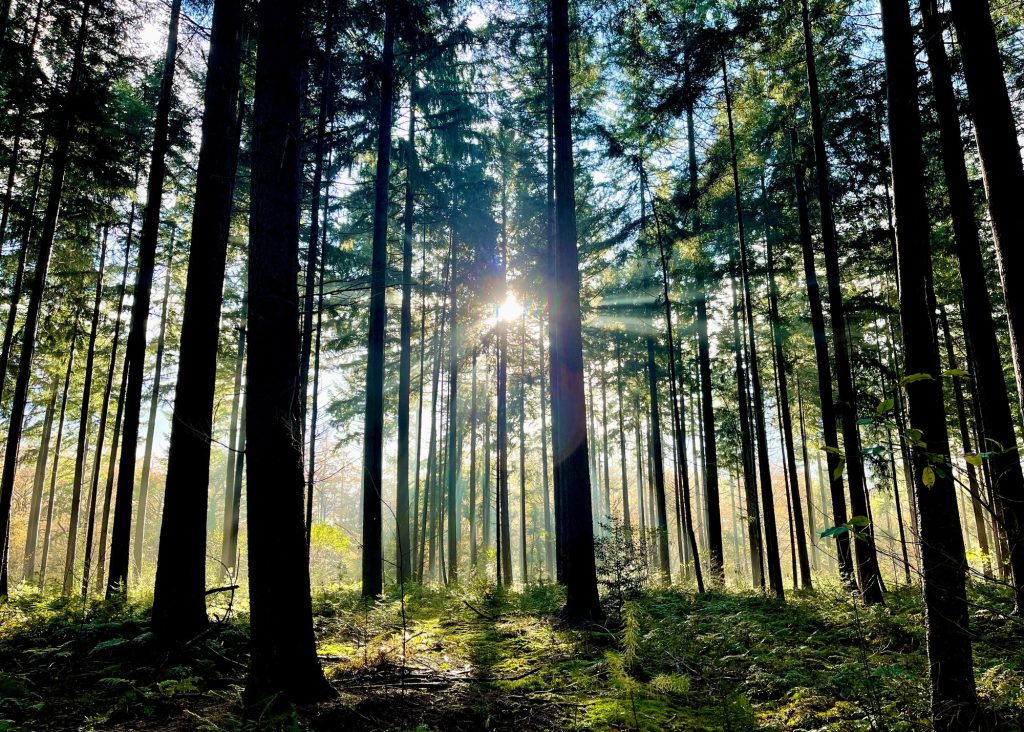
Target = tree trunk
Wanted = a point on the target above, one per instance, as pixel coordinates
(232, 492)
(522, 447)
(154, 406)
(868, 573)
(954, 703)
(135, 348)
(94, 483)
(32, 535)
(44, 563)
(83, 423)
(472, 467)
(283, 645)
(569, 410)
(58, 169)
(373, 430)
(787, 419)
(622, 434)
(824, 372)
(549, 540)
(453, 425)
(753, 520)
(659, 470)
(994, 401)
(405, 358)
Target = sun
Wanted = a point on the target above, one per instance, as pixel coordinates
(510, 309)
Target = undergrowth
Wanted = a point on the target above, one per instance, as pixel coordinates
(478, 656)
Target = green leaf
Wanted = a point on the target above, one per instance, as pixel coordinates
(885, 407)
(928, 477)
(960, 373)
(859, 521)
(838, 472)
(834, 451)
(974, 459)
(834, 531)
(864, 421)
(911, 378)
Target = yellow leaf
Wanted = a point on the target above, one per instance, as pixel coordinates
(928, 477)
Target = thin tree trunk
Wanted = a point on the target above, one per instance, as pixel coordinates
(229, 540)
(32, 534)
(405, 357)
(868, 573)
(44, 563)
(94, 483)
(771, 537)
(522, 447)
(453, 424)
(154, 406)
(659, 470)
(135, 348)
(83, 423)
(549, 539)
(472, 468)
(622, 434)
(824, 372)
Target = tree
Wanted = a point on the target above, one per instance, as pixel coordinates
(179, 595)
(283, 647)
(568, 404)
(954, 703)
(373, 429)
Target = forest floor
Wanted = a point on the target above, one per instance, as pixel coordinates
(475, 659)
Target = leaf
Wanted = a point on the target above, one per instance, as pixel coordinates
(859, 521)
(911, 378)
(974, 459)
(959, 373)
(834, 451)
(838, 472)
(928, 477)
(834, 531)
(885, 407)
(865, 421)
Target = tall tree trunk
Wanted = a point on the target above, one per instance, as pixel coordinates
(604, 443)
(83, 423)
(982, 69)
(154, 407)
(35, 509)
(135, 348)
(995, 129)
(485, 488)
(522, 447)
(947, 633)
(58, 169)
(472, 466)
(753, 521)
(807, 477)
(414, 539)
(659, 470)
(94, 483)
(501, 518)
(108, 490)
(965, 443)
(787, 419)
(622, 433)
(771, 537)
(314, 412)
(283, 645)
(549, 539)
(405, 357)
(45, 561)
(569, 410)
(373, 429)
(868, 573)
(229, 543)
(824, 371)
(453, 425)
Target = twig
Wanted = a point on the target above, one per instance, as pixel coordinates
(483, 615)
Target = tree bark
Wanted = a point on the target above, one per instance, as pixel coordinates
(994, 401)
(135, 348)
(373, 430)
(947, 634)
(35, 509)
(83, 423)
(569, 410)
(283, 645)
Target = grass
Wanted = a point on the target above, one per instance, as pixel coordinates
(476, 657)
